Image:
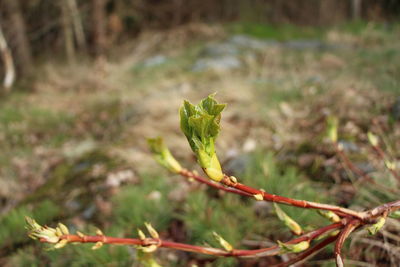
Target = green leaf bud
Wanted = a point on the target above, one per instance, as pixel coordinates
(201, 125)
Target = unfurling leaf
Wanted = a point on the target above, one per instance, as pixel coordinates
(163, 155)
(373, 229)
(200, 124)
(223, 242)
(289, 222)
(330, 215)
(294, 248)
(332, 128)
(36, 231)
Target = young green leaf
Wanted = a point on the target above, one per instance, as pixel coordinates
(293, 248)
(330, 215)
(162, 154)
(373, 229)
(289, 222)
(200, 124)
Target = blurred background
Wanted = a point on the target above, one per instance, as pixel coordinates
(84, 83)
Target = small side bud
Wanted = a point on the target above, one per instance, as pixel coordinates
(149, 249)
(151, 230)
(289, 222)
(99, 232)
(258, 197)
(233, 179)
(62, 243)
(97, 245)
(373, 229)
(330, 215)
(293, 248)
(223, 242)
(63, 228)
(80, 234)
(373, 139)
(141, 235)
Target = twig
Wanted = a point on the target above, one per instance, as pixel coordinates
(360, 172)
(249, 191)
(262, 252)
(350, 227)
(382, 156)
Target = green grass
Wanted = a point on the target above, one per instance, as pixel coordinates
(282, 32)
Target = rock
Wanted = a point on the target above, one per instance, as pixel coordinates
(305, 44)
(155, 61)
(219, 64)
(247, 42)
(219, 49)
(366, 167)
(237, 166)
(349, 146)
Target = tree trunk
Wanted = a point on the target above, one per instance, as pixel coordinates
(20, 39)
(99, 26)
(356, 9)
(77, 23)
(9, 69)
(67, 31)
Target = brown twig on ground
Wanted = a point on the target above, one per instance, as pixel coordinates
(382, 156)
(364, 176)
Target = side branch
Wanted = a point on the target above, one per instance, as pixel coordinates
(226, 184)
(350, 227)
(49, 235)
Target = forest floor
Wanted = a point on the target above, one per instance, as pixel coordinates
(73, 142)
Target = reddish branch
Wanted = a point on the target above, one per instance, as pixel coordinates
(249, 191)
(351, 221)
(262, 252)
(350, 227)
(308, 252)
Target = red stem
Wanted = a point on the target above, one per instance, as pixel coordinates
(274, 250)
(350, 227)
(244, 190)
(189, 174)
